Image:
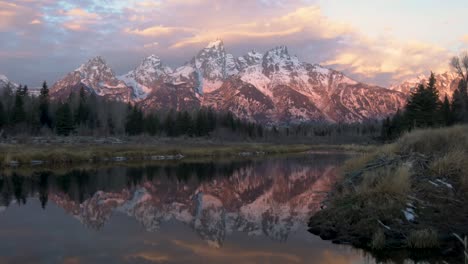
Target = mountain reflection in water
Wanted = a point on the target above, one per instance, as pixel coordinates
(230, 211)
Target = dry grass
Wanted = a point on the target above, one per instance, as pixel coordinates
(371, 154)
(380, 189)
(452, 165)
(434, 141)
(423, 239)
(378, 240)
(392, 182)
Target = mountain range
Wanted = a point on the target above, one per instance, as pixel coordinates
(271, 88)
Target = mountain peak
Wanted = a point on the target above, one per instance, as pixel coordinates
(280, 50)
(97, 59)
(93, 64)
(217, 44)
(153, 57)
(3, 78)
(151, 61)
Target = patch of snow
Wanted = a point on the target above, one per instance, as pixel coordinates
(409, 214)
(254, 76)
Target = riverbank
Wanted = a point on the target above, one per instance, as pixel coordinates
(408, 195)
(67, 151)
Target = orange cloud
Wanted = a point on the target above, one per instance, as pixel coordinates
(305, 20)
(78, 19)
(464, 39)
(78, 13)
(35, 22)
(369, 57)
(155, 31)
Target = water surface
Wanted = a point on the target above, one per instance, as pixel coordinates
(244, 211)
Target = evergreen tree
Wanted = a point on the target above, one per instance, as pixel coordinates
(446, 112)
(64, 120)
(134, 122)
(44, 103)
(201, 123)
(19, 115)
(169, 124)
(110, 124)
(82, 113)
(183, 124)
(152, 124)
(3, 118)
(460, 103)
(423, 106)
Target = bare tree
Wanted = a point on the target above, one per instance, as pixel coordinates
(460, 65)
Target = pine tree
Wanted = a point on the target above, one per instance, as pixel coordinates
(152, 124)
(110, 124)
(201, 124)
(3, 119)
(19, 115)
(422, 109)
(44, 103)
(169, 124)
(82, 113)
(446, 112)
(134, 122)
(460, 103)
(64, 120)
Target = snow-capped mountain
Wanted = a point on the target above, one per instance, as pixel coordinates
(446, 84)
(95, 76)
(278, 87)
(4, 81)
(146, 76)
(213, 66)
(273, 88)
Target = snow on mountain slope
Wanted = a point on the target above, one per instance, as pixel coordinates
(95, 76)
(4, 81)
(145, 76)
(446, 84)
(214, 65)
(272, 88)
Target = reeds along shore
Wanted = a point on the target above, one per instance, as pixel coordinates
(409, 194)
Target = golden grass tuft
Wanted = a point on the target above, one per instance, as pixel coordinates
(433, 141)
(394, 182)
(423, 239)
(452, 165)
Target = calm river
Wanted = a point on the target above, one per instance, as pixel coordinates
(243, 211)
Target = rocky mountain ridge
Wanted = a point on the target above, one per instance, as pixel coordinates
(272, 87)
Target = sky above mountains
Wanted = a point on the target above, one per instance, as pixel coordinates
(380, 42)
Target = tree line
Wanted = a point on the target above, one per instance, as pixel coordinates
(86, 114)
(90, 115)
(424, 109)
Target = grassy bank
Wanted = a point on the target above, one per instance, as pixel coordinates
(75, 153)
(411, 194)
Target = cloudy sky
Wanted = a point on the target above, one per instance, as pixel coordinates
(376, 41)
